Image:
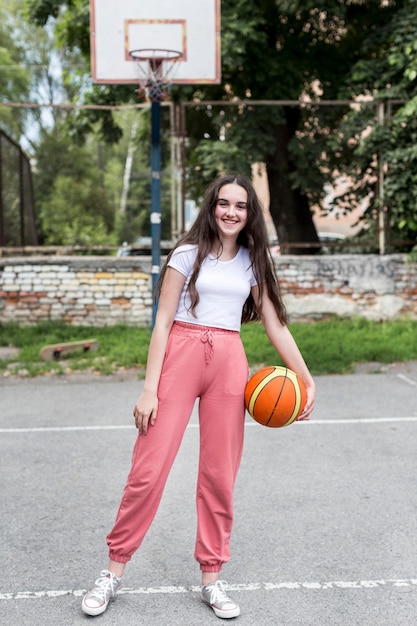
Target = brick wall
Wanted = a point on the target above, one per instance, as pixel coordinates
(368, 286)
(90, 291)
(102, 291)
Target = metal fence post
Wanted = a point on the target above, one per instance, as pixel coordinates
(380, 109)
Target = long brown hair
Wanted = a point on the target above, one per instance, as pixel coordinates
(204, 233)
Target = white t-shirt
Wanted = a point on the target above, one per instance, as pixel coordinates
(223, 287)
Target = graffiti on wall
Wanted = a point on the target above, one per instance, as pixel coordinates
(366, 267)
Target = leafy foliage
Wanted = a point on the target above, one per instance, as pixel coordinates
(297, 51)
(66, 222)
(386, 71)
(293, 50)
(14, 77)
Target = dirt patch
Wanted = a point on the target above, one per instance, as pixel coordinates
(8, 352)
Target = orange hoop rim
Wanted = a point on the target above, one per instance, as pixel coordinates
(155, 54)
(156, 69)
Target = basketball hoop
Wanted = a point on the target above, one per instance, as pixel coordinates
(156, 70)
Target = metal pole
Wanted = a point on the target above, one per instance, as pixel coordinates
(381, 210)
(155, 199)
(2, 234)
(173, 143)
(181, 225)
(21, 200)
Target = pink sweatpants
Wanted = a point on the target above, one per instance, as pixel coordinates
(211, 364)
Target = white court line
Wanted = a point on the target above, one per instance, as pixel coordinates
(265, 586)
(361, 420)
(405, 378)
(313, 422)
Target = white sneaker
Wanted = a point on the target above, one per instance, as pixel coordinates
(95, 601)
(214, 594)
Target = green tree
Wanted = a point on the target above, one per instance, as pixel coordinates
(65, 220)
(287, 50)
(387, 73)
(112, 130)
(73, 202)
(284, 50)
(14, 77)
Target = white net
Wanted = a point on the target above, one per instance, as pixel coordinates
(156, 71)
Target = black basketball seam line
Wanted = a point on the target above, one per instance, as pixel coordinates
(280, 393)
(252, 394)
(282, 387)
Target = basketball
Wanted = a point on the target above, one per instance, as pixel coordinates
(275, 396)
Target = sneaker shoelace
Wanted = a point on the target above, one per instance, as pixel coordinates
(103, 587)
(218, 595)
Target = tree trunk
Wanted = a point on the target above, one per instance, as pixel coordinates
(289, 208)
(128, 166)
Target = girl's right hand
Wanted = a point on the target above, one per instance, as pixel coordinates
(145, 411)
(310, 402)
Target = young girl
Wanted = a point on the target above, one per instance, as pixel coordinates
(218, 275)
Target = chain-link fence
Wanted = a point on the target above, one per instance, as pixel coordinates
(17, 206)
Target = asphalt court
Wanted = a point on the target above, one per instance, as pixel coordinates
(326, 511)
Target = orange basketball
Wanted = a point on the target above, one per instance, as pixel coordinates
(275, 396)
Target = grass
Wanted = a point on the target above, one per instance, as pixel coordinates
(329, 347)
(335, 346)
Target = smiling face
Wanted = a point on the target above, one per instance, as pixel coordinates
(231, 211)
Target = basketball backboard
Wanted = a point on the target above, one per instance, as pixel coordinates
(190, 27)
